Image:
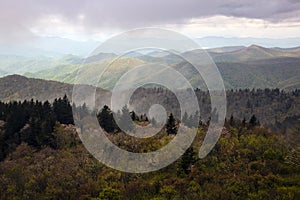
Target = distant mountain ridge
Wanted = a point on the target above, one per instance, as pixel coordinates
(240, 67)
(225, 49)
(213, 42)
(254, 52)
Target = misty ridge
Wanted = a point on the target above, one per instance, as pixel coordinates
(240, 67)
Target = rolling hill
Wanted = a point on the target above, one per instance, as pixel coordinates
(20, 88)
(16, 87)
(246, 54)
(254, 52)
(240, 67)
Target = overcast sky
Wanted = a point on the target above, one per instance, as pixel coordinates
(98, 19)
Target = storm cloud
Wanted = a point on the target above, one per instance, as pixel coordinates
(17, 17)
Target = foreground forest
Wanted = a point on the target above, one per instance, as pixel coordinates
(42, 157)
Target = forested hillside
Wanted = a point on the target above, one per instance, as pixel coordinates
(43, 158)
(269, 105)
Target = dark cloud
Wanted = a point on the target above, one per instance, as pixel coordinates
(17, 16)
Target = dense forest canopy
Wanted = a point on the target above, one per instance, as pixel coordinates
(42, 156)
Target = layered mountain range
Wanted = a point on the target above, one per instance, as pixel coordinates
(240, 67)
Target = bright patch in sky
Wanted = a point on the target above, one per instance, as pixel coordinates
(58, 26)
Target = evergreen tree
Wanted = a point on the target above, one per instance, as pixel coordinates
(253, 121)
(106, 120)
(185, 119)
(15, 119)
(32, 138)
(196, 119)
(171, 125)
(231, 121)
(63, 110)
(133, 116)
(81, 111)
(187, 159)
(192, 120)
(125, 121)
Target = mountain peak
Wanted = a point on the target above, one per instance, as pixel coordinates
(15, 77)
(254, 46)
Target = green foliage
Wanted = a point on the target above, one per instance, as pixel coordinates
(246, 163)
(45, 159)
(109, 193)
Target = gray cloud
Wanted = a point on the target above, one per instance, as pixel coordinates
(16, 17)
